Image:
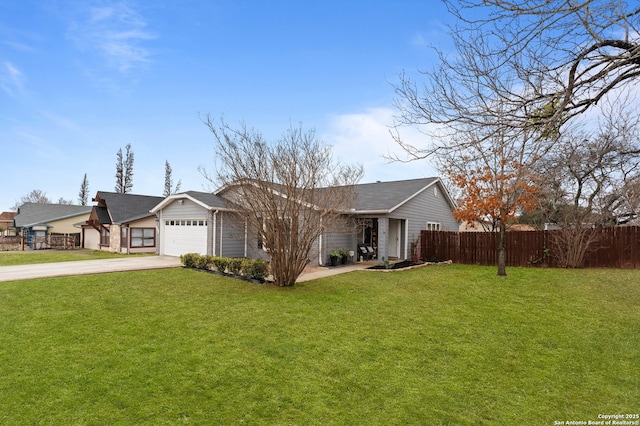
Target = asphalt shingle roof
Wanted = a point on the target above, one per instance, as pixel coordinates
(36, 213)
(127, 207)
(211, 200)
(384, 196)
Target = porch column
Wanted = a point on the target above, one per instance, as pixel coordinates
(383, 239)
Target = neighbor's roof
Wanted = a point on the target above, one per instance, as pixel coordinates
(7, 216)
(125, 208)
(31, 214)
(205, 199)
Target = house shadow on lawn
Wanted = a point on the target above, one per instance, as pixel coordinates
(403, 265)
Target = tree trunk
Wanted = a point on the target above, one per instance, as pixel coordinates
(502, 253)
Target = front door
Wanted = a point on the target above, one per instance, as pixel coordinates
(394, 237)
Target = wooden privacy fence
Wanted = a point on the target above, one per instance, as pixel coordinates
(617, 247)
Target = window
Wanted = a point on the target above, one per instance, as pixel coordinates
(272, 230)
(195, 222)
(123, 237)
(105, 237)
(433, 226)
(143, 237)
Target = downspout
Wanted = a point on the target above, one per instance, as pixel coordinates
(320, 262)
(245, 237)
(159, 242)
(213, 239)
(407, 255)
(221, 233)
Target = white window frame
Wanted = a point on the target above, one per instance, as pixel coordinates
(433, 226)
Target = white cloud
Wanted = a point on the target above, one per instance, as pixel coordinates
(116, 31)
(365, 138)
(11, 80)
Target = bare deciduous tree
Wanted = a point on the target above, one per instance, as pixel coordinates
(543, 62)
(590, 172)
(35, 196)
(287, 191)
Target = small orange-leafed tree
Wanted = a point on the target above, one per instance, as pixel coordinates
(495, 197)
(495, 179)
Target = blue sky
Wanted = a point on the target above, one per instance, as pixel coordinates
(81, 79)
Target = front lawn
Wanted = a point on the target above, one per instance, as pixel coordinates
(8, 258)
(436, 345)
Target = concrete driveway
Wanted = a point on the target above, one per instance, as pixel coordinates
(82, 267)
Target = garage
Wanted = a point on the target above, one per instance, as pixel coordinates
(184, 236)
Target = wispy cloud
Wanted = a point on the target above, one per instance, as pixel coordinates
(18, 46)
(11, 80)
(116, 31)
(364, 137)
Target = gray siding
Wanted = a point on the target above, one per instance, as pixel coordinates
(188, 210)
(426, 207)
(230, 235)
(336, 239)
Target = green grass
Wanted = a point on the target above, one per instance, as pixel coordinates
(437, 345)
(9, 258)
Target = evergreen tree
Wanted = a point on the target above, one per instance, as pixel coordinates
(168, 181)
(83, 195)
(124, 171)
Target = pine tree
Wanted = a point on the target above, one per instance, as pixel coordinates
(168, 181)
(119, 172)
(128, 170)
(124, 171)
(83, 195)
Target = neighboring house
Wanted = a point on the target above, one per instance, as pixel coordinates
(386, 215)
(39, 220)
(121, 223)
(6, 224)
(488, 227)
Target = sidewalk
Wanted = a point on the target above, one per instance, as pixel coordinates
(322, 271)
(82, 267)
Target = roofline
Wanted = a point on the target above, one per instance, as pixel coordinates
(360, 212)
(31, 225)
(162, 204)
(134, 218)
(53, 218)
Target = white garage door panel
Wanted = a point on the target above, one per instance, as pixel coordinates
(185, 239)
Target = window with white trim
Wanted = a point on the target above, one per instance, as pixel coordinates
(433, 226)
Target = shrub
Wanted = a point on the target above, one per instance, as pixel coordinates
(260, 269)
(234, 265)
(205, 262)
(220, 263)
(190, 260)
(255, 269)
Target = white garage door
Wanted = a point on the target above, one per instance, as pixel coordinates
(184, 236)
